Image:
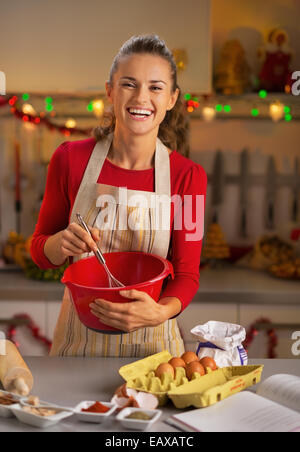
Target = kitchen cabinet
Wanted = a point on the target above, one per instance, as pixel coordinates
(228, 294)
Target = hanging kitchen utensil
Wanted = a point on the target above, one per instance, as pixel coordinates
(296, 191)
(218, 185)
(244, 186)
(271, 184)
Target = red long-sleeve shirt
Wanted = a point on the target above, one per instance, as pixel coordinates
(64, 176)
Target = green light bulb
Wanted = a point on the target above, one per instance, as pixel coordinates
(227, 108)
(254, 112)
(288, 117)
(263, 93)
(25, 96)
(187, 96)
(218, 107)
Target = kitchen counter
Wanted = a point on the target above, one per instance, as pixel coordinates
(227, 285)
(68, 381)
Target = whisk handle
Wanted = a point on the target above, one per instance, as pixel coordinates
(97, 253)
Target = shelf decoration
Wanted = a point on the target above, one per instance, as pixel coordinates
(232, 71)
(215, 250)
(275, 56)
(181, 59)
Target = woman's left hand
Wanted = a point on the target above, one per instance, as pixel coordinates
(141, 312)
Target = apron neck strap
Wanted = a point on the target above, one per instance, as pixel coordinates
(161, 159)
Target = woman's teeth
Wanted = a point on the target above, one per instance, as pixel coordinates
(139, 114)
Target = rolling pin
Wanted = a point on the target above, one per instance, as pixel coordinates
(15, 376)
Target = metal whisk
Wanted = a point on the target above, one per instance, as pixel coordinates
(113, 282)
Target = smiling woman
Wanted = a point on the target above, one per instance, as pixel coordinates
(158, 75)
(140, 149)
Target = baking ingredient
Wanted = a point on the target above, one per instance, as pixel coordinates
(177, 362)
(33, 400)
(207, 361)
(139, 415)
(164, 368)
(15, 376)
(45, 412)
(196, 367)
(7, 399)
(188, 357)
(97, 407)
(121, 391)
(134, 398)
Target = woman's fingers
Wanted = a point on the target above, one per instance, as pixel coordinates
(95, 233)
(77, 241)
(110, 321)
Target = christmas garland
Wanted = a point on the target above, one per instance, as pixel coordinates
(34, 329)
(40, 119)
(252, 332)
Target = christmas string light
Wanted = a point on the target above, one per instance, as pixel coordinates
(41, 119)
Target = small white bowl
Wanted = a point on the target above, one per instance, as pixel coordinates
(5, 410)
(93, 417)
(39, 421)
(137, 424)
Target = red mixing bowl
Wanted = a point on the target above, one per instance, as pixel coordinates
(87, 280)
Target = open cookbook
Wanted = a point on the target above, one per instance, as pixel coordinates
(275, 407)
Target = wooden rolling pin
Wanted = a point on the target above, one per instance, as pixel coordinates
(15, 376)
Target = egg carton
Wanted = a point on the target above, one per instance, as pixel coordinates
(200, 391)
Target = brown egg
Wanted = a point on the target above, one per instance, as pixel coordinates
(192, 367)
(188, 357)
(177, 362)
(207, 361)
(164, 368)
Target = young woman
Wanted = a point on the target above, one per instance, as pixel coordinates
(138, 149)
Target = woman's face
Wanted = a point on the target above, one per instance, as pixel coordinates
(141, 81)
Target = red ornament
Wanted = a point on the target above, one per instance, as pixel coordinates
(35, 331)
(273, 340)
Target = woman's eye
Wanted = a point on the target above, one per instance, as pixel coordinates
(132, 86)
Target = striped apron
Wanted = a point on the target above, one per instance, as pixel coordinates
(142, 232)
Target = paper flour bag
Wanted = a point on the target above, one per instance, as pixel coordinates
(222, 342)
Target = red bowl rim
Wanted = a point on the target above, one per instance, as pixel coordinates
(168, 269)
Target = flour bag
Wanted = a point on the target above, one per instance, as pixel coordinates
(222, 342)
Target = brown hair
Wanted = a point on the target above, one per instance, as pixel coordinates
(173, 131)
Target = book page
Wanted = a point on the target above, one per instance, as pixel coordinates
(283, 389)
(242, 412)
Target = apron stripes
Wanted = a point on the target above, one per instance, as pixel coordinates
(71, 337)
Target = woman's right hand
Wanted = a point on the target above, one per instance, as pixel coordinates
(72, 241)
(75, 240)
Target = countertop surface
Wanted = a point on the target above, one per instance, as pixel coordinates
(229, 285)
(68, 381)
